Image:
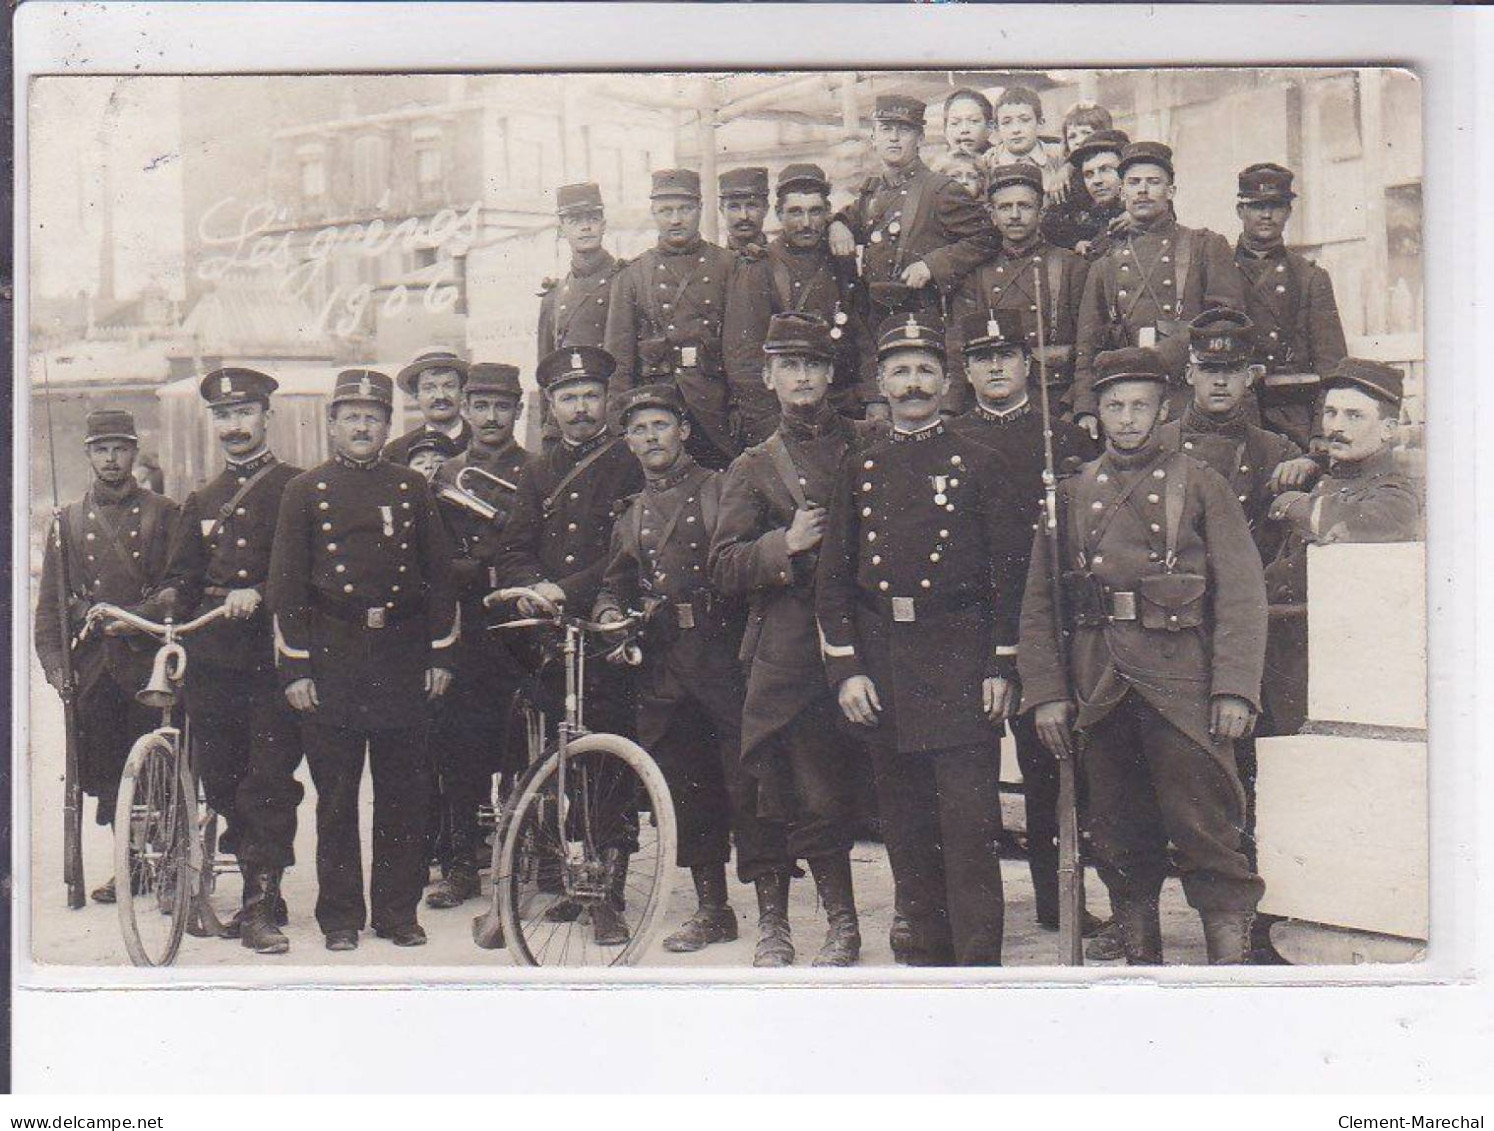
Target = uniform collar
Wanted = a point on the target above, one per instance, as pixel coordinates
(928, 432)
(1381, 463)
(1137, 460)
(681, 472)
(106, 495)
(1196, 420)
(478, 456)
(1034, 246)
(601, 263)
(679, 253)
(1160, 227)
(585, 447)
(821, 421)
(252, 464)
(787, 248)
(355, 464)
(1244, 251)
(450, 431)
(904, 175)
(1005, 416)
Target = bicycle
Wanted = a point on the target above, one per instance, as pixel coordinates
(589, 821)
(164, 855)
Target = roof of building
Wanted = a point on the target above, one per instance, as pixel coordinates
(253, 317)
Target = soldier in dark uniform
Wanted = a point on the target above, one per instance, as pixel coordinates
(920, 231)
(797, 275)
(120, 540)
(247, 738)
(468, 732)
(742, 196)
(365, 621)
(434, 380)
(665, 320)
(1088, 222)
(1152, 282)
(573, 312)
(1006, 282)
(689, 687)
(1169, 611)
(1004, 419)
(1299, 337)
(917, 601)
(767, 544)
(1364, 497)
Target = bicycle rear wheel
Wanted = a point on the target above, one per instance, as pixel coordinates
(610, 839)
(153, 827)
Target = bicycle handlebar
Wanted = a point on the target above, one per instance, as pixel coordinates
(556, 615)
(149, 627)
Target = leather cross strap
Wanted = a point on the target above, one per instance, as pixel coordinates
(783, 464)
(674, 520)
(1172, 505)
(111, 536)
(227, 509)
(562, 331)
(548, 505)
(1109, 516)
(909, 216)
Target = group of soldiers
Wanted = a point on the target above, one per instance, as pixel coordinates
(816, 463)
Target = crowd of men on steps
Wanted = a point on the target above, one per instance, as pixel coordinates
(816, 461)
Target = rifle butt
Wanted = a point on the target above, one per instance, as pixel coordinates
(72, 812)
(1070, 875)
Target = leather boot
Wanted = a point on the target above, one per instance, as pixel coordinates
(257, 929)
(1138, 926)
(1227, 936)
(455, 889)
(713, 920)
(900, 937)
(608, 927)
(775, 944)
(832, 876)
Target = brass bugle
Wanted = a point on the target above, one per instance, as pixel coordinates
(488, 475)
(467, 500)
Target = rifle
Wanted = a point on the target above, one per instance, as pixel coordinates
(1070, 876)
(72, 790)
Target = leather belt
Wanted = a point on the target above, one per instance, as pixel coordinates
(907, 610)
(365, 616)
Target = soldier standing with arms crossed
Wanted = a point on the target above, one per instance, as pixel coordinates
(365, 623)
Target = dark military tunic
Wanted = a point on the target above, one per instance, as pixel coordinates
(1160, 277)
(1080, 220)
(916, 215)
(1368, 501)
(1006, 283)
(397, 450)
(120, 544)
(665, 324)
(574, 311)
(788, 279)
(1297, 332)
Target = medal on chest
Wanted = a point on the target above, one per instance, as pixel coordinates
(387, 514)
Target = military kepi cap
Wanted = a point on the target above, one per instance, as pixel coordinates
(1266, 183)
(494, 377)
(577, 198)
(1146, 153)
(1101, 141)
(749, 181)
(910, 332)
(1381, 381)
(237, 386)
(363, 385)
(675, 182)
(433, 441)
(409, 376)
(1134, 363)
(658, 395)
(1004, 176)
(899, 108)
(574, 363)
(109, 424)
(800, 334)
(992, 330)
(1221, 338)
(801, 176)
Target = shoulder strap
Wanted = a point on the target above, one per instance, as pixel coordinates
(570, 476)
(132, 565)
(1172, 504)
(910, 215)
(238, 497)
(1103, 526)
(710, 503)
(783, 285)
(669, 527)
(1185, 264)
(783, 464)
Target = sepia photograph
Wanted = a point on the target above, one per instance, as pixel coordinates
(740, 524)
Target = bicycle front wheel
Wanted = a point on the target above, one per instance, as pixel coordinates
(582, 872)
(153, 827)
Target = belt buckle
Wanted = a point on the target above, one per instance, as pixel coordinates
(1123, 606)
(902, 610)
(688, 358)
(376, 618)
(684, 614)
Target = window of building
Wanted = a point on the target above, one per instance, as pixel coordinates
(430, 165)
(370, 170)
(312, 165)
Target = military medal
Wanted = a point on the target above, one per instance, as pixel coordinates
(941, 484)
(876, 237)
(894, 227)
(387, 513)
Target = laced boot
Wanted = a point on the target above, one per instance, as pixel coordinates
(257, 929)
(900, 937)
(714, 921)
(1138, 926)
(832, 876)
(455, 889)
(1227, 936)
(775, 945)
(608, 927)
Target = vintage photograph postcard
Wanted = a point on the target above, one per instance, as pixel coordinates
(807, 524)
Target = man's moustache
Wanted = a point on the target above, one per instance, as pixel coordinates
(235, 437)
(914, 395)
(1338, 438)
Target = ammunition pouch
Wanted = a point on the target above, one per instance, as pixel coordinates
(1086, 598)
(1171, 601)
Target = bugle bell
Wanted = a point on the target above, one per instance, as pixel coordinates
(466, 500)
(167, 671)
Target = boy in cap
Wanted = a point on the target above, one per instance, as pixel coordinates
(365, 623)
(434, 381)
(665, 321)
(921, 233)
(428, 452)
(119, 539)
(247, 738)
(1167, 609)
(1299, 337)
(798, 275)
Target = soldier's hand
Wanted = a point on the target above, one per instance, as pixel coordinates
(240, 604)
(1119, 225)
(917, 275)
(548, 590)
(858, 700)
(1089, 422)
(1081, 248)
(113, 627)
(842, 242)
(302, 695)
(611, 616)
(1055, 726)
(998, 697)
(807, 529)
(437, 682)
(1293, 475)
(1230, 717)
